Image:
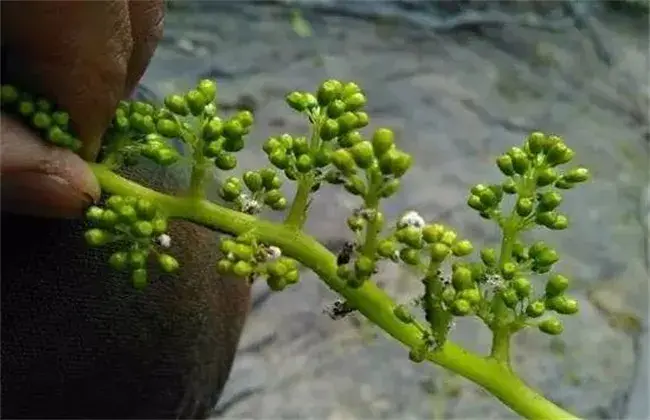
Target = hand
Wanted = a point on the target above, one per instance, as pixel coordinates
(85, 57)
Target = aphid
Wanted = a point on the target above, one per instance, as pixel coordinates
(411, 218)
(164, 240)
(338, 310)
(249, 205)
(345, 254)
(269, 253)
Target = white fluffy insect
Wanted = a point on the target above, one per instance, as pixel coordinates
(249, 205)
(164, 240)
(273, 253)
(411, 218)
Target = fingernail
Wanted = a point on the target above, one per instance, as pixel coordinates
(42, 195)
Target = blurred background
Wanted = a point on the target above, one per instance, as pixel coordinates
(459, 82)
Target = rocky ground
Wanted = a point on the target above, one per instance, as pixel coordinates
(458, 89)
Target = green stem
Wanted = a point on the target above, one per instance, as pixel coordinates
(368, 299)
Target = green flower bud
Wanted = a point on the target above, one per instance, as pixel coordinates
(26, 108)
(355, 102)
(146, 209)
(523, 287)
(403, 314)
(279, 205)
(547, 257)
(61, 118)
(230, 191)
(474, 201)
(356, 185)
(292, 277)
(342, 159)
(350, 139)
(536, 309)
(168, 128)
(336, 108)
(524, 206)
(166, 156)
(344, 272)
(577, 175)
(43, 105)
(382, 141)
(168, 264)
(433, 233)
(290, 171)
(233, 129)
(364, 266)
(224, 266)
(268, 178)
(489, 257)
(551, 326)
(520, 161)
(299, 146)
(226, 161)
(347, 122)
(41, 120)
(127, 214)
(233, 145)
(551, 141)
(563, 184)
(559, 154)
(242, 269)
(349, 89)
(546, 218)
(535, 142)
(322, 157)
(177, 104)
(356, 224)
(277, 284)
(272, 197)
(556, 285)
(310, 100)
(362, 119)
(196, 102)
(119, 260)
(461, 307)
(97, 237)
(297, 101)
(508, 270)
(439, 252)
(139, 278)
(448, 295)
(546, 177)
(563, 305)
(537, 249)
(363, 154)
(410, 256)
(561, 223)
(473, 295)
(389, 188)
(462, 248)
(243, 252)
(418, 355)
(245, 119)
(138, 259)
(142, 228)
(328, 91)
(461, 279)
(8, 94)
(510, 298)
(213, 149)
(94, 214)
(277, 269)
(410, 236)
(549, 200)
(504, 162)
(109, 219)
(208, 89)
(448, 237)
(253, 181)
(386, 248)
(142, 108)
(509, 186)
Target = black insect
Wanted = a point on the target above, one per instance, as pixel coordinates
(345, 254)
(338, 310)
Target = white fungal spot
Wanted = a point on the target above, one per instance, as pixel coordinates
(274, 252)
(164, 240)
(411, 218)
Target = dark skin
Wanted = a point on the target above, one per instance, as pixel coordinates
(77, 340)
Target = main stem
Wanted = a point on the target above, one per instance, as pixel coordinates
(368, 299)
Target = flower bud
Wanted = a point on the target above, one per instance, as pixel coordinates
(489, 257)
(520, 161)
(546, 218)
(279, 205)
(417, 355)
(563, 305)
(509, 186)
(546, 177)
(410, 256)
(536, 142)
(556, 285)
(508, 270)
(349, 89)
(473, 295)
(510, 298)
(362, 119)
(439, 252)
(167, 263)
(253, 181)
(119, 260)
(336, 108)
(297, 101)
(461, 279)
(272, 197)
(356, 185)
(474, 201)
(561, 222)
(551, 326)
(504, 162)
(355, 102)
(382, 141)
(208, 88)
(364, 266)
(547, 257)
(524, 206)
(139, 278)
(224, 266)
(233, 129)
(329, 129)
(310, 100)
(196, 102)
(433, 233)
(41, 120)
(328, 91)
(8, 94)
(563, 184)
(363, 154)
(559, 154)
(410, 236)
(549, 200)
(389, 188)
(462, 248)
(279, 158)
(576, 175)
(461, 307)
(350, 139)
(242, 269)
(226, 161)
(276, 284)
(342, 159)
(535, 309)
(386, 248)
(347, 122)
(523, 287)
(97, 237)
(168, 128)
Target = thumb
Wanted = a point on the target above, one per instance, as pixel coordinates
(40, 179)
